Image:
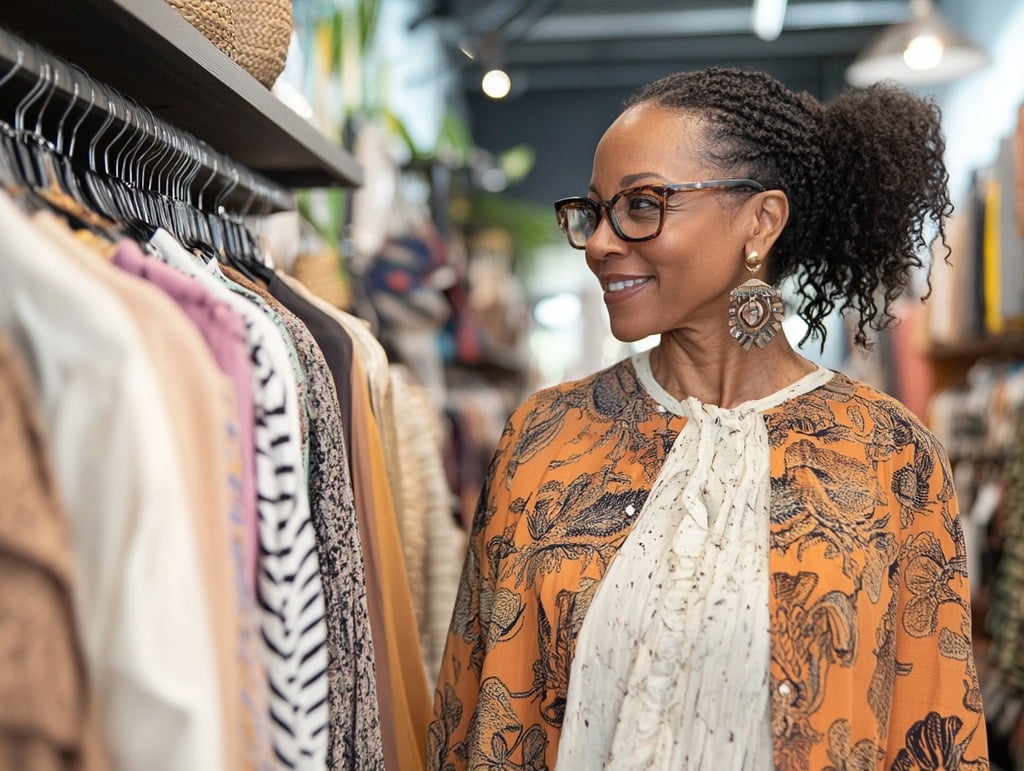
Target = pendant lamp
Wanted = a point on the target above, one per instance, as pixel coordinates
(923, 51)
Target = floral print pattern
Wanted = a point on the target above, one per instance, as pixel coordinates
(871, 658)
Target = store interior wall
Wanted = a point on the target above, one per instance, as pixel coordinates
(981, 109)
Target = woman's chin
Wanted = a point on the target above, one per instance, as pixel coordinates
(631, 334)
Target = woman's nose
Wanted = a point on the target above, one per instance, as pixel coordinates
(604, 242)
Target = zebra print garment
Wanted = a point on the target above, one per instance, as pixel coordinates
(355, 737)
(289, 585)
(290, 595)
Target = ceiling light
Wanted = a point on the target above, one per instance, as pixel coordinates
(923, 51)
(768, 18)
(496, 84)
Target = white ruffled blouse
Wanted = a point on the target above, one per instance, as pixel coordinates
(671, 664)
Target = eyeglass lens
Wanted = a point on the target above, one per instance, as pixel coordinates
(635, 214)
(580, 222)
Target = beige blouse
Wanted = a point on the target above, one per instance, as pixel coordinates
(672, 662)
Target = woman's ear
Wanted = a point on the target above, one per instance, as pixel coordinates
(769, 218)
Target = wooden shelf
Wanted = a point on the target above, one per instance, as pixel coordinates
(1003, 346)
(146, 51)
(950, 362)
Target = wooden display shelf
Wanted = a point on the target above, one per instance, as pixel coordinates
(1003, 345)
(951, 361)
(148, 52)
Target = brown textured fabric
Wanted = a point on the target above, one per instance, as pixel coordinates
(45, 713)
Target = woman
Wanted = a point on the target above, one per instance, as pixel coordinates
(718, 555)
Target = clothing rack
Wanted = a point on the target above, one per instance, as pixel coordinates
(111, 134)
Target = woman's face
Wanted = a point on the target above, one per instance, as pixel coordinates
(681, 279)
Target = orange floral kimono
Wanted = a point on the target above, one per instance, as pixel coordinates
(871, 657)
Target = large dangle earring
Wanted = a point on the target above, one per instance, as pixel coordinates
(755, 309)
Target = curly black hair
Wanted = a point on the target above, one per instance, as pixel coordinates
(864, 174)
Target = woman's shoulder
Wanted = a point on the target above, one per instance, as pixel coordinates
(859, 408)
(843, 388)
(610, 388)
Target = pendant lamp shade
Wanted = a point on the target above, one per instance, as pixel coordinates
(923, 51)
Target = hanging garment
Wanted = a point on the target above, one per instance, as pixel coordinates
(201, 405)
(428, 497)
(400, 739)
(334, 344)
(417, 479)
(354, 713)
(368, 350)
(217, 448)
(140, 604)
(47, 719)
(398, 641)
(223, 329)
(290, 589)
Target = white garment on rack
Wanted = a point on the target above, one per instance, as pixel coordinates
(291, 605)
(139, 602)
(671, 669)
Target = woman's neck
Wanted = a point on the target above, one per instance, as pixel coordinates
(724, 374)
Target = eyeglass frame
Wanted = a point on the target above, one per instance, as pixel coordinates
(664, 193)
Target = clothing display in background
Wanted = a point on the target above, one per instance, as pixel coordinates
(402, 284)
(1003, 247)
(955, 307)
(475, 415)
(981, 422)
(981, 290)
(236, 593)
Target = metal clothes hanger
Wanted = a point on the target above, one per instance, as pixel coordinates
(58, 184)
(23, 154)
(131, 171)
(8, 172)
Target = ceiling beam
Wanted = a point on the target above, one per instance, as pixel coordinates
(829, 42)
(711, 21)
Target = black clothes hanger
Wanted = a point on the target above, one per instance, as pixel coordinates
(107, 163)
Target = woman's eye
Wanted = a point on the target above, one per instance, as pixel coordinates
(643, 204)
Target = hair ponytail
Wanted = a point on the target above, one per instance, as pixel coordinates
(887, 192)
